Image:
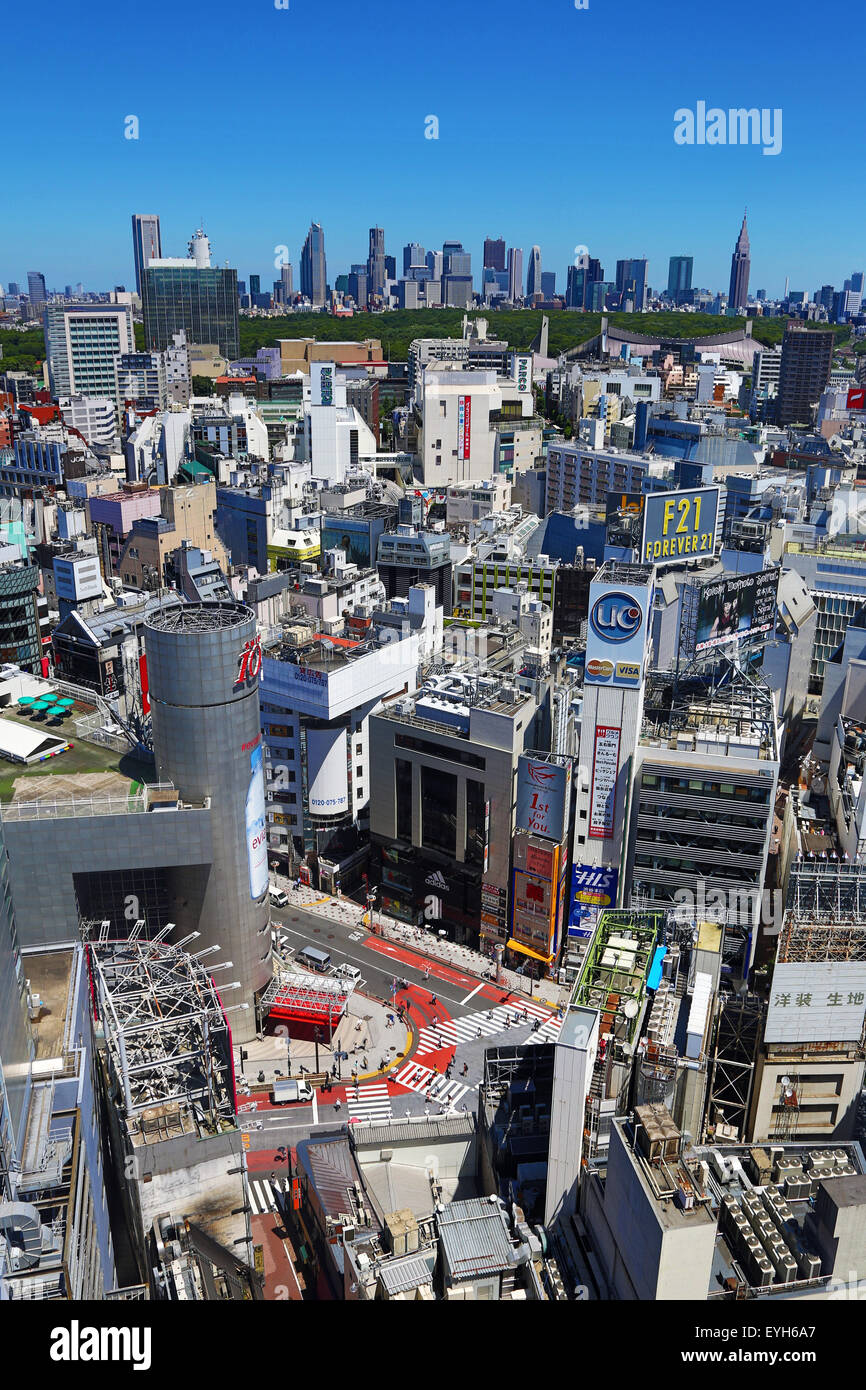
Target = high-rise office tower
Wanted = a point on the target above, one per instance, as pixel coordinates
(286, 276)
(548, 283)
(494, 253)
(856, 282)
(314, 268)
(455, 261)
(631, 282)
(146, 243)
(36, 288)
(680, 278)
(255, 284)
(578, 293)
(807, 357)
(434, 264)
(515, 273)
(83, 342)
(738, 293)
(413, 257)
(533, 272)
(390, 268)
(192, 295)
(376, 261)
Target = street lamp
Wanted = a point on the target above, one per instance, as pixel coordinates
(371, 899)
(317, 1033)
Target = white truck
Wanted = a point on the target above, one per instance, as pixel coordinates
(278, 897)
(286, 1089)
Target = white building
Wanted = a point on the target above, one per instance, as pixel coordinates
(459, 414)
(466, 502)
(83, 342)
(316, 700)
(92, 416)
(336, 435)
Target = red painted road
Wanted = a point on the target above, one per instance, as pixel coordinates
(406, 957)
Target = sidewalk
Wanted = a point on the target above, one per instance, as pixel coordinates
(423, 941)
(363, 1032)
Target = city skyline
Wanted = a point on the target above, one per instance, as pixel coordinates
(773, 282)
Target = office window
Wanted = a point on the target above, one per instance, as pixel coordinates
(475, 806)
(439, 810)
(403, 790)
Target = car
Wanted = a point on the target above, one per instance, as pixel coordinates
(348, 972)
(278, 897)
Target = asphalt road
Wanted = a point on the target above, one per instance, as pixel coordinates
(344, 942)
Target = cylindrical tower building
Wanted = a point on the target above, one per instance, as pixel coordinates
(203, 663)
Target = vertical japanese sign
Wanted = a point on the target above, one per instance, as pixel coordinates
(464, 426)
(605, 765)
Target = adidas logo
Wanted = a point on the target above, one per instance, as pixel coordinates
(437, 880)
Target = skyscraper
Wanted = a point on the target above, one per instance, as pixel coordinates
(255, 285)
(314, 268)
(533, 273)
(286, 282)
(36, 288)
(83, 342)
(192, 295)
(494, 254)
(548, 283)
(680, 278)
(413, 257)
(631, 282)
(807, 357)
(376, 261)
(739, 289)
(146, 243)
(515, 273)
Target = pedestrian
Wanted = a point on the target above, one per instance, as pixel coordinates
(465, 1068)
(337, 1103)
(432, 998)
(536, 1025)
(524, 1015)
(479, 1033)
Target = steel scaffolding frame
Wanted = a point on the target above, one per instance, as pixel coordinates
(166, 1030)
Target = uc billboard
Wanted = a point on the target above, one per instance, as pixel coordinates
(616, 634)
(680, 525)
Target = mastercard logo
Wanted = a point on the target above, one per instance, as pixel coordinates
(600, 670)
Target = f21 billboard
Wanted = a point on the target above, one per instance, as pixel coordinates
(680, 525)
(616, 634)
(735, 608)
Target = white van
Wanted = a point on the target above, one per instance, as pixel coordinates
(278, 897)
(348, 972)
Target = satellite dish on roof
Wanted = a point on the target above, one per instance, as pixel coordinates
(785, 1081)
(630, 1008)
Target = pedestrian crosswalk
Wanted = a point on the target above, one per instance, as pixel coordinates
(453, 1032)
(547, 1032)
(263, 1199)
(421, 1079)
(372, 1101)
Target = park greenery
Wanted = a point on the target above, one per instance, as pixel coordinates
(24, 349)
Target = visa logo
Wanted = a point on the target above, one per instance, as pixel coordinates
(628, 670)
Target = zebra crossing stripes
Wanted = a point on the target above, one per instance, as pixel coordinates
(452, 1032)
(262, 1196)
(372, 1101)
(548, 1032)
(421, 1079)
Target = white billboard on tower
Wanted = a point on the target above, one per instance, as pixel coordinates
(327, 772)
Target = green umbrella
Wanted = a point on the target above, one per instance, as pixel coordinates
(27, 699)
(65, 701)
(44, 702)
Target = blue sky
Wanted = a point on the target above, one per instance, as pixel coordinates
(555, 126)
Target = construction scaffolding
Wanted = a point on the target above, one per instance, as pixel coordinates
(828, 939)
(738, 1031)
(167, 1036)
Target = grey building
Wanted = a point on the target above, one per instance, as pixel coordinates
(680, 278)
(738, 291)
(189, 850)
(146, 244)
(200, 299)
(314, 269)
(36, 288)
(804, 371)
